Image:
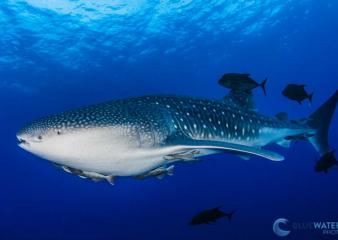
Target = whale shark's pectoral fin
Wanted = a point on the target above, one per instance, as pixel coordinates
(218, 146)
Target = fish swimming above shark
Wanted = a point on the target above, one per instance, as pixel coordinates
(134, 137)
(297, 93)
(241, 82)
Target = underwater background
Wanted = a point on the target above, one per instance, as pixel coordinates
(60, 54)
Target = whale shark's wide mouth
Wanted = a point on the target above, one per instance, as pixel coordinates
(25, 138)
(26, 141)
(22, 141)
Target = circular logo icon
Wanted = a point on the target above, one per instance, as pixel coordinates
(277, 229)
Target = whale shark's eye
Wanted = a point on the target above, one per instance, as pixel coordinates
(58, 132)
(40, 137)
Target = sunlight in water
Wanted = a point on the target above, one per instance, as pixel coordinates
(88, 10)
(68, 31)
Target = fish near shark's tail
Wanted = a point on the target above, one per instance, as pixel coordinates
(310, 97)
(320, 121)
(262, 85)
(229, 215)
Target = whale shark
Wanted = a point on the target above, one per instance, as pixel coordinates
(133, 137)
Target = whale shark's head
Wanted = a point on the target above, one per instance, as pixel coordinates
(72, 137)
(54, 137)
(40, 132)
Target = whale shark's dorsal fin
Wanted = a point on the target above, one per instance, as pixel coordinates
(241, 99)
(218, 146)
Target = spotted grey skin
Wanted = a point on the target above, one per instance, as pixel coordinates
(134, 136)
(141, 122)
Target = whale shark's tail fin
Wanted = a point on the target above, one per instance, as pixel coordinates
(320, 120)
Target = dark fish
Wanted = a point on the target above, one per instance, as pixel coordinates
(327, 161)
(210, 216)
(297, 93)
(240, 82)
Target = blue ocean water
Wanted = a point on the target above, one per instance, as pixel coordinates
(59, 54)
